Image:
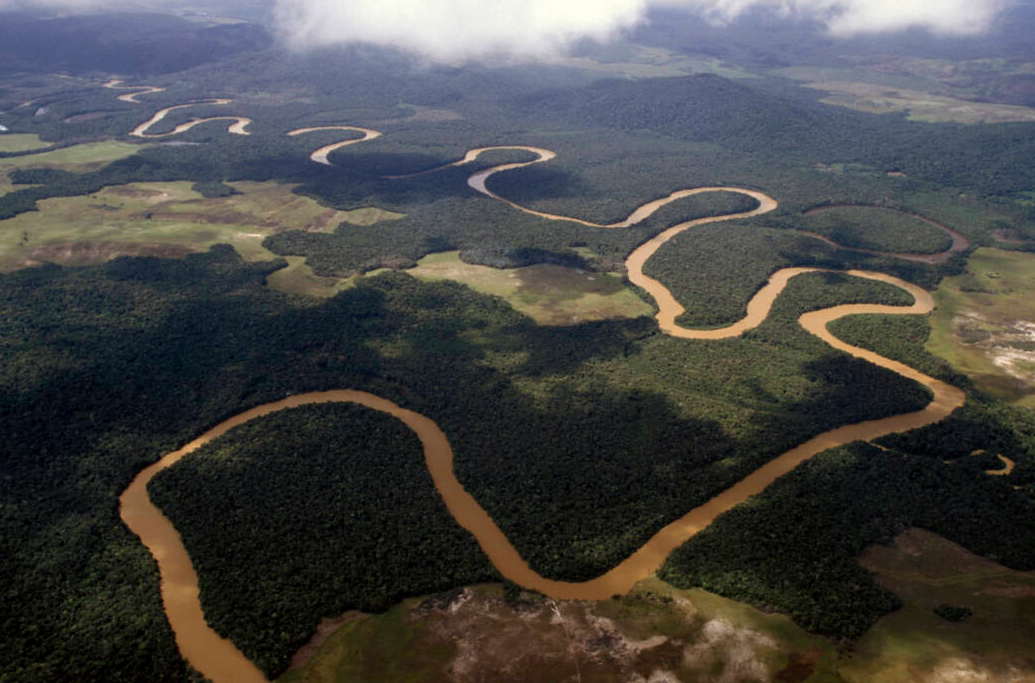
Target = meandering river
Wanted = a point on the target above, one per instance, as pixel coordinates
(218, 659)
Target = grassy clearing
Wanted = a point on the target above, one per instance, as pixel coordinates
(641, 61)
(299, 278)
(657, 632)
(77, 158)
(369, 215)
(882, 94)
(159, 219)
(868, 227)
(984, 323)
(551, 295)
(914, 644)
(21, 142)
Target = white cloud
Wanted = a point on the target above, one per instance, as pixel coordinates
(850, 17)
(458, 29)
(455, 30)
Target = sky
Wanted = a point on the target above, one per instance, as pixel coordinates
(458, 30)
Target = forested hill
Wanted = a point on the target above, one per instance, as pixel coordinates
(992, 159)
(122, 43)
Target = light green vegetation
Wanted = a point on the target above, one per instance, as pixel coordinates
(485, 633)
(369, 215)
(85, 157)
(922, 106)
(925, 98)
(21, 142)
(298, 278)
(78, 158)
(912, 644)
(642, 61)
(550, 294)
(870, 227)
(984, 323)
(158, 219)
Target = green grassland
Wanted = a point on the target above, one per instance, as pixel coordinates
(21, 142)
(928, 90)
(484, 633)
(104, 367)
(913, 643)
(984, 320)
(875, 228)
(549, 294)
(298, 278)
(78, 158)
(163, 217)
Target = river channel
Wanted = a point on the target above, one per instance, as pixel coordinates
(218, 659)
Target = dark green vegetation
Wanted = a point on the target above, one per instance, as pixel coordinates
(867, 227)
(213, 189)
(358, 524)
(982, 424)
(953, 612)
(491, 234)
(117, 43)
(87, 408)
(713, 270)
(103, 369)
(794, 547)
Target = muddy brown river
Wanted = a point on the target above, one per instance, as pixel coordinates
(320, 155)
(237, 127)
(218, 659)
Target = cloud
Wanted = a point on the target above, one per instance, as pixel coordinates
(457, 30)
(852, 17)
(453, 30)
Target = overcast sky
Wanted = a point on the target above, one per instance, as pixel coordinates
(452, 30)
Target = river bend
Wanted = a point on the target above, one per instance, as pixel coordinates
(218, 659)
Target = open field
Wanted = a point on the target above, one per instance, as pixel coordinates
(484, 633)
(21, 142)
(85, 157)
(298, 278)
(919, 93)
(78, 158)
(914, 644)
(550, 294)
(169, 218)
(984, 323)
(642, 61)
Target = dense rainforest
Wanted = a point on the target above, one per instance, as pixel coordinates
(85, 407)
(320, 509)
(104, 368)
(780, 551)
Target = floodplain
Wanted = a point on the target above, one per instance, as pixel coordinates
(984, 323)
